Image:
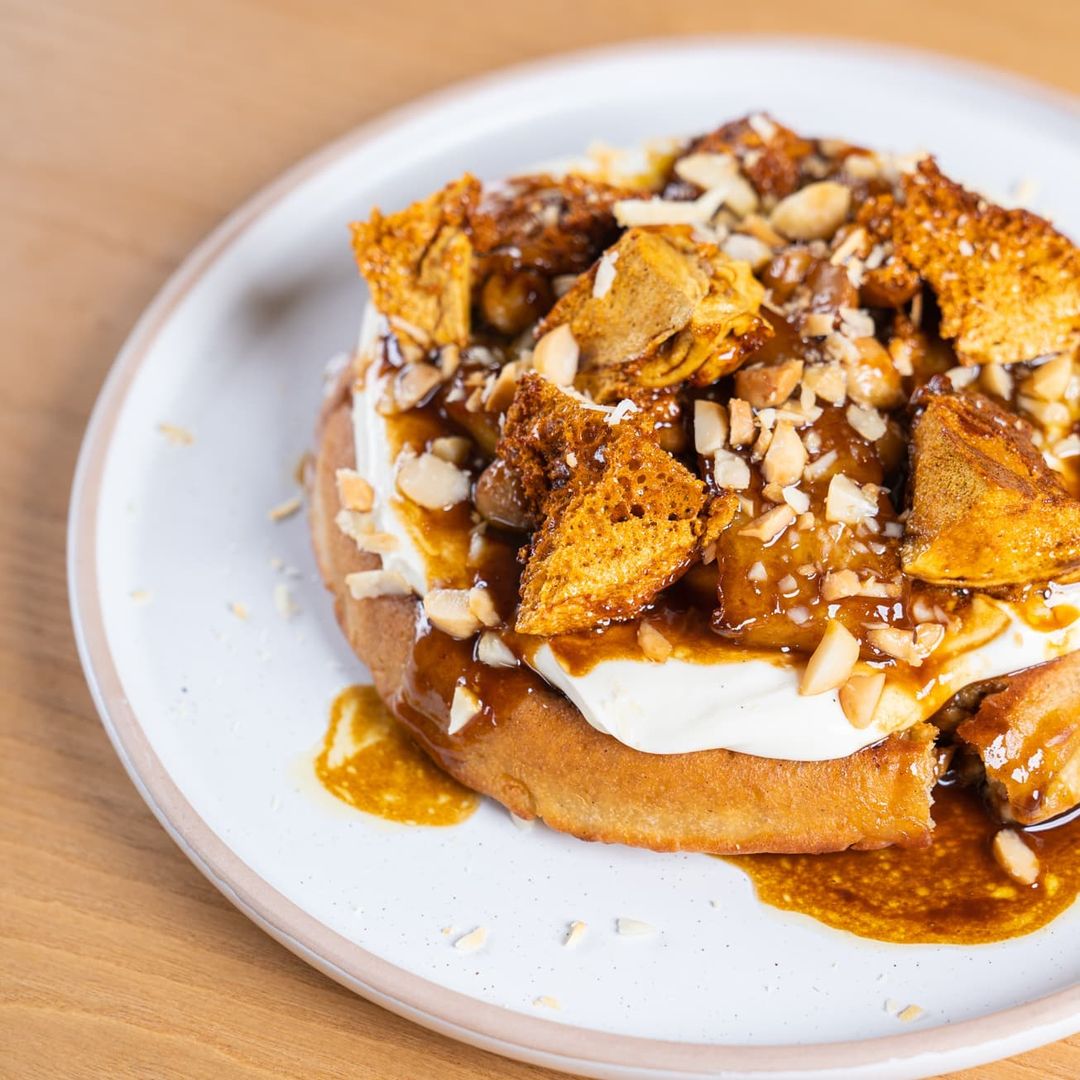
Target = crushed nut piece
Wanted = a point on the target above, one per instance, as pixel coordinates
(450, 610)
(177, 435)
(771, 524)
(786, 457)
(653, 644)
(464, 707)
(493, 651)
(473, 940)
(556, 356)
(814, 212)
(368, 584)
(574, 933)
(859, 698)
(286, 509)
(846, 501)
(832, 661)
(1015, 857)
(430, 481)
(768, 386)
(634, 928)
(354, 492)
(710, 426)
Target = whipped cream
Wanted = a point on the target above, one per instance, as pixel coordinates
(750, 706)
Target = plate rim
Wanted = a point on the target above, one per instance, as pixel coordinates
(492, 1027)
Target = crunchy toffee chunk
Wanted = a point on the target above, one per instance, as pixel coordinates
(986, 509)
(680, 308)
(615, 541)
(1007, 283)
(418, 264)
(1028, 738)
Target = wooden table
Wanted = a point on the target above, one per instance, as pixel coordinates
(127, 129)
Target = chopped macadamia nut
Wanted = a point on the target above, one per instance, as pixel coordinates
(798, 500)
(493, 651)
(449, 610)
(817, 324)
(730, 471)
(464, 707)
(828, 382)
(962, 376)
(1047, 413)
(786, 457)
(431, 481)
(452, 448)
(556, 356)
(911, 647)
(653, 644)
(286, 509)
(413, 383)
(859, 698)
(1015, 857)
(473, 940)
(634, 928)
(768, 386)
(379, 543)
(820, 467)
(499, 390)
(832, 661)
(748, 249)
(368, 584)
(839, 584)
(482, 605)
(867, 421)
(770, 525)
(354, 492)
(997, 379)
(741, 422)
(575, 932)
(849, 503)
(757, 572)
(710, 426)
(1050, 380)
(814, 212)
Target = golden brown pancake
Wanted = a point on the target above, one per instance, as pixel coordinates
(541, 759)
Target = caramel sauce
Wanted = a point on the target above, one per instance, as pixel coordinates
(369, 762)
(952, 892)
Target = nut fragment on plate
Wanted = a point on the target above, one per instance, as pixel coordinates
(1015, 857)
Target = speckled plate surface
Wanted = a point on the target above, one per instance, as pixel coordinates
(217, 717)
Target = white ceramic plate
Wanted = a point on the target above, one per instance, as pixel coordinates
(216, 718)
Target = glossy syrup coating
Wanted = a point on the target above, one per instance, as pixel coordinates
(952, 892)
(368, 761)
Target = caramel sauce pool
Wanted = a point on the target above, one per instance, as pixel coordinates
(951, 893)
(367, 761)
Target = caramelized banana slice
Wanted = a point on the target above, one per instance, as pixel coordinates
(1028, 737)
(986, 509)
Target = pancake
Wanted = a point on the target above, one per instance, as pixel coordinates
(541, 759)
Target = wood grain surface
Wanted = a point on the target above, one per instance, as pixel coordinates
(128, 128)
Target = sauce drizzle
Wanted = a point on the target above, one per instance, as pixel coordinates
(952, 892)
(368, 761)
